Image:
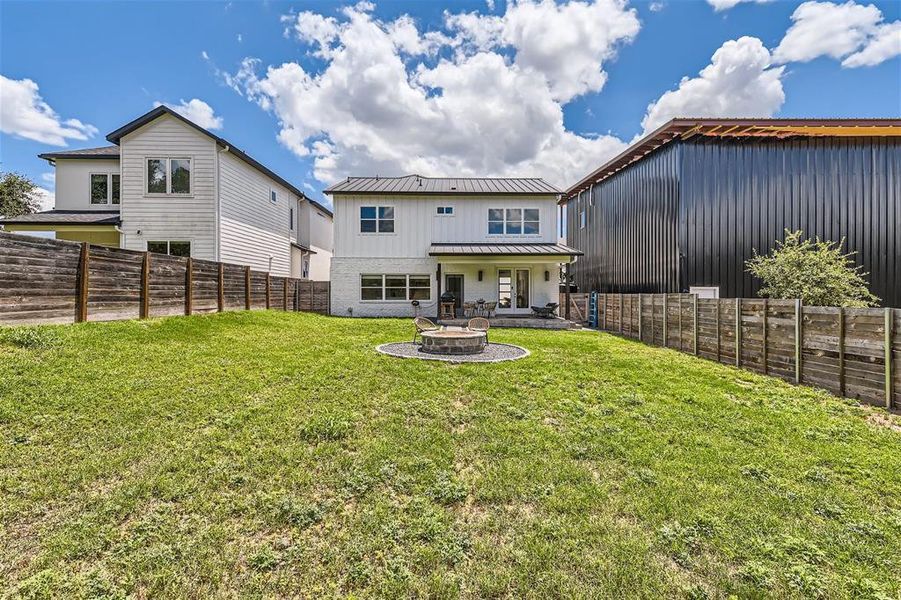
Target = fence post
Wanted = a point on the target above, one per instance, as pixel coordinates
(268, 289)
(284, 293)
(665, 328)
(220, 289)
(681, 345)
(81, 289)
(694, 307)
(144, 311)
(798, 341)
(246, 288)
(620, 313)
(718, 342)
(605, 311)
(189, 286)
(889, 326)
(841, 350)
(765, 366)
(738, 332)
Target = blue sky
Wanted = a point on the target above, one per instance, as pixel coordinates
(106, 63)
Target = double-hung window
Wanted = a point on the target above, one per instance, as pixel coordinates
(169, 176)
(104, 188)
(513, 221)
(376, 219)
(398, 288)
(171, 248)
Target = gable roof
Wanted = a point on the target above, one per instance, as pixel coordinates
(683, 129)
(102, 152)
(419, 185)
(161, 110)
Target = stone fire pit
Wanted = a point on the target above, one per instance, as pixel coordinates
(453, 341)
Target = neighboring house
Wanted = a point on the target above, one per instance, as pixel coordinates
(686, 206)
(168, 185)
(400, 239)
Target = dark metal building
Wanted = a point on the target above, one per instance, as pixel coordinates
(688, 204)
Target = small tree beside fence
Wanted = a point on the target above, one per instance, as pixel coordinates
(51, 281)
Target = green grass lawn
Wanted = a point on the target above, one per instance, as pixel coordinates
(272, 454)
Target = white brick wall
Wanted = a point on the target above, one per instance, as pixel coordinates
(345, 286)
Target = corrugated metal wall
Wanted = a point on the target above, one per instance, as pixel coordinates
(630, 242)
(738, 195)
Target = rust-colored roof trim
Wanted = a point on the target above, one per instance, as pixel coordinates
(735, 128)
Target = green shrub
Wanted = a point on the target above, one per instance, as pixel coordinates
(817, 272)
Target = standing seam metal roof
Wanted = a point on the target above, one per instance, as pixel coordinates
(417, 184)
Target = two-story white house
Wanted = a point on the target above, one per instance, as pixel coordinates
(400, 239)
(168, 185)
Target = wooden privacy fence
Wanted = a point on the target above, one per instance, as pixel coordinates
(578, 307)
(50, 281)
(853, 352)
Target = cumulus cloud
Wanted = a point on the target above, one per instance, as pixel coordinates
(719, 5)
(738, 82)
(46, 199)
(197, 111)
(23, 113)
(482, 95)
(848, 31)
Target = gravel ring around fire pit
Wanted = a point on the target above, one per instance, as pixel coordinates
(493, 353)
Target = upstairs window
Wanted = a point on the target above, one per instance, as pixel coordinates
(168, 175)
(446, 210)
(291, 218)
(104, 188)
(170, 248)
(513, 221)
(273, 196)
(376, 219)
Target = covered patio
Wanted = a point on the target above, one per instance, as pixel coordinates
(502, 281)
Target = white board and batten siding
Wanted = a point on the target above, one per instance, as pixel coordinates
(173, 217)
(417, 224)
(253, 228)
(73, 182)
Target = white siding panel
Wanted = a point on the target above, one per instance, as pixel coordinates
(73, 183)
(417, 224)
(253, 229)
(175, 217)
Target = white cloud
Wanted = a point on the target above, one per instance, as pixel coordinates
(240, 38)
(484, 95)
(884, 44)
(738, 82)
(847, 31)
(197, 111)
(656, 6)
(23, 113)
(46, 199)
(719, 5)
(204, 55)
(49, 178)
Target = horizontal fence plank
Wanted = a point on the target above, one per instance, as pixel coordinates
(55, 281)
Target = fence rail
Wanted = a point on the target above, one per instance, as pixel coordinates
(51, 281)
(853, 352)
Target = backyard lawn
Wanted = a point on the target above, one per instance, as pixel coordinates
(277, 454)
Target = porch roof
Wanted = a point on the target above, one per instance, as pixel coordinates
(508, 249)
(66, 217)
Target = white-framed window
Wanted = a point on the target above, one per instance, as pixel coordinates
(396, 288)
(291, 218)
(170, 176)
(446, 211)
(514, 221)
(170, 247)
(376, 219)
(105, 188)
(273, 196)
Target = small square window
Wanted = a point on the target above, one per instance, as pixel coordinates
(445, 210)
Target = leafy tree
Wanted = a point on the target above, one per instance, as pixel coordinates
(18, 195)
(817, 272)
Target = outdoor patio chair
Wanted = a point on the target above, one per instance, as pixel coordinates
(479, 324)
(490, 309)
(422, 324)
(469, 309)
